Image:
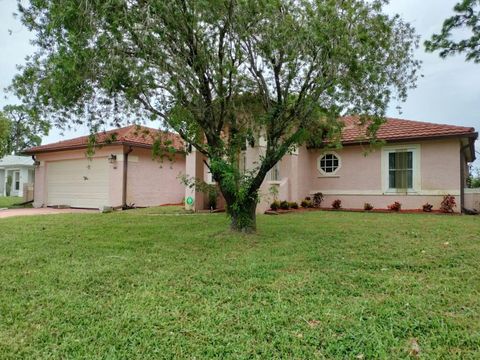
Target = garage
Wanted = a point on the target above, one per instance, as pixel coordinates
(79, 183)
(120, 172)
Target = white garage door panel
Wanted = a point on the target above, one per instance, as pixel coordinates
(78, 183)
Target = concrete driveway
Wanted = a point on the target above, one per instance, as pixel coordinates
(6, 213)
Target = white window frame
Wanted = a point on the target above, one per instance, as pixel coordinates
(416, 167)
(16, 181)
(208, 175)
(329, 174)
(270, 173)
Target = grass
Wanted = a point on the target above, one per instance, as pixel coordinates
(9, 201)
(148, 284)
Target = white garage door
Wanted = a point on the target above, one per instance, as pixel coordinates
(78, 183)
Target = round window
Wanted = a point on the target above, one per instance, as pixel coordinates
(329, 163)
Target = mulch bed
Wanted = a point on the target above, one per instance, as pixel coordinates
(382, 211)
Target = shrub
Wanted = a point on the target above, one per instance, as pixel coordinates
(337, 204)
(284, 205)
(306, 203)
(317, 199)
(427, 207)
(396, 206)
(308, 198)
(293, 205)
(367, 206)
(275, 205)
(448, 203)
(8, 185)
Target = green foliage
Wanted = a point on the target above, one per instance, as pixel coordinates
(8, 185)
(220, 73)
(293, 205)
(20, 128)
(306, 204)
(4, 135)
(273, 190)
(275, 205)
(211, 190)
(317, 199)
(212, 196)
(467, 15)
(473, 179)
(284, 205)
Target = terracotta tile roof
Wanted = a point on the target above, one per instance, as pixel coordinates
(353, 133)
(134, 135)
(399, 129)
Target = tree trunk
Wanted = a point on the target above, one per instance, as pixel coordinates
(243, 216)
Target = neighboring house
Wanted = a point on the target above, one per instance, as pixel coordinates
(417, 163)
(120, 172)
(20, 169)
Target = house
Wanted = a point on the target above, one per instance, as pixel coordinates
(416, 163)
(15, 171)
(121, 170)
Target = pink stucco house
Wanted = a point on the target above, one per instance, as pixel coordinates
(417, 163)
(121, 171)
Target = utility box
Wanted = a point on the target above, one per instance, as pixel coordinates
(28, 192)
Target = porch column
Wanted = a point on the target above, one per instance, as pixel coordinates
(294, 180)
(194, 170)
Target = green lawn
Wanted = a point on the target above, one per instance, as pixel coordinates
(150, 284)
(8, 201)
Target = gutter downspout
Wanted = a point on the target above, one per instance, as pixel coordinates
(462, 176)
(125, 173)
(34, 158)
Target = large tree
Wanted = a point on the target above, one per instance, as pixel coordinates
(20, 128)
(4, 134)
(467, 17)
(221, 73)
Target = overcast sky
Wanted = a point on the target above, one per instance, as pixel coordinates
(448, 93)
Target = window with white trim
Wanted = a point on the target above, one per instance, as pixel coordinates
(328, 163)
(17, 180)
(274, 173)
(400, 170)
(208, 176)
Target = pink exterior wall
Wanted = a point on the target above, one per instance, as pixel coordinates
(441, 166)
(149, 182)
(362, 176)
(153, 182)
